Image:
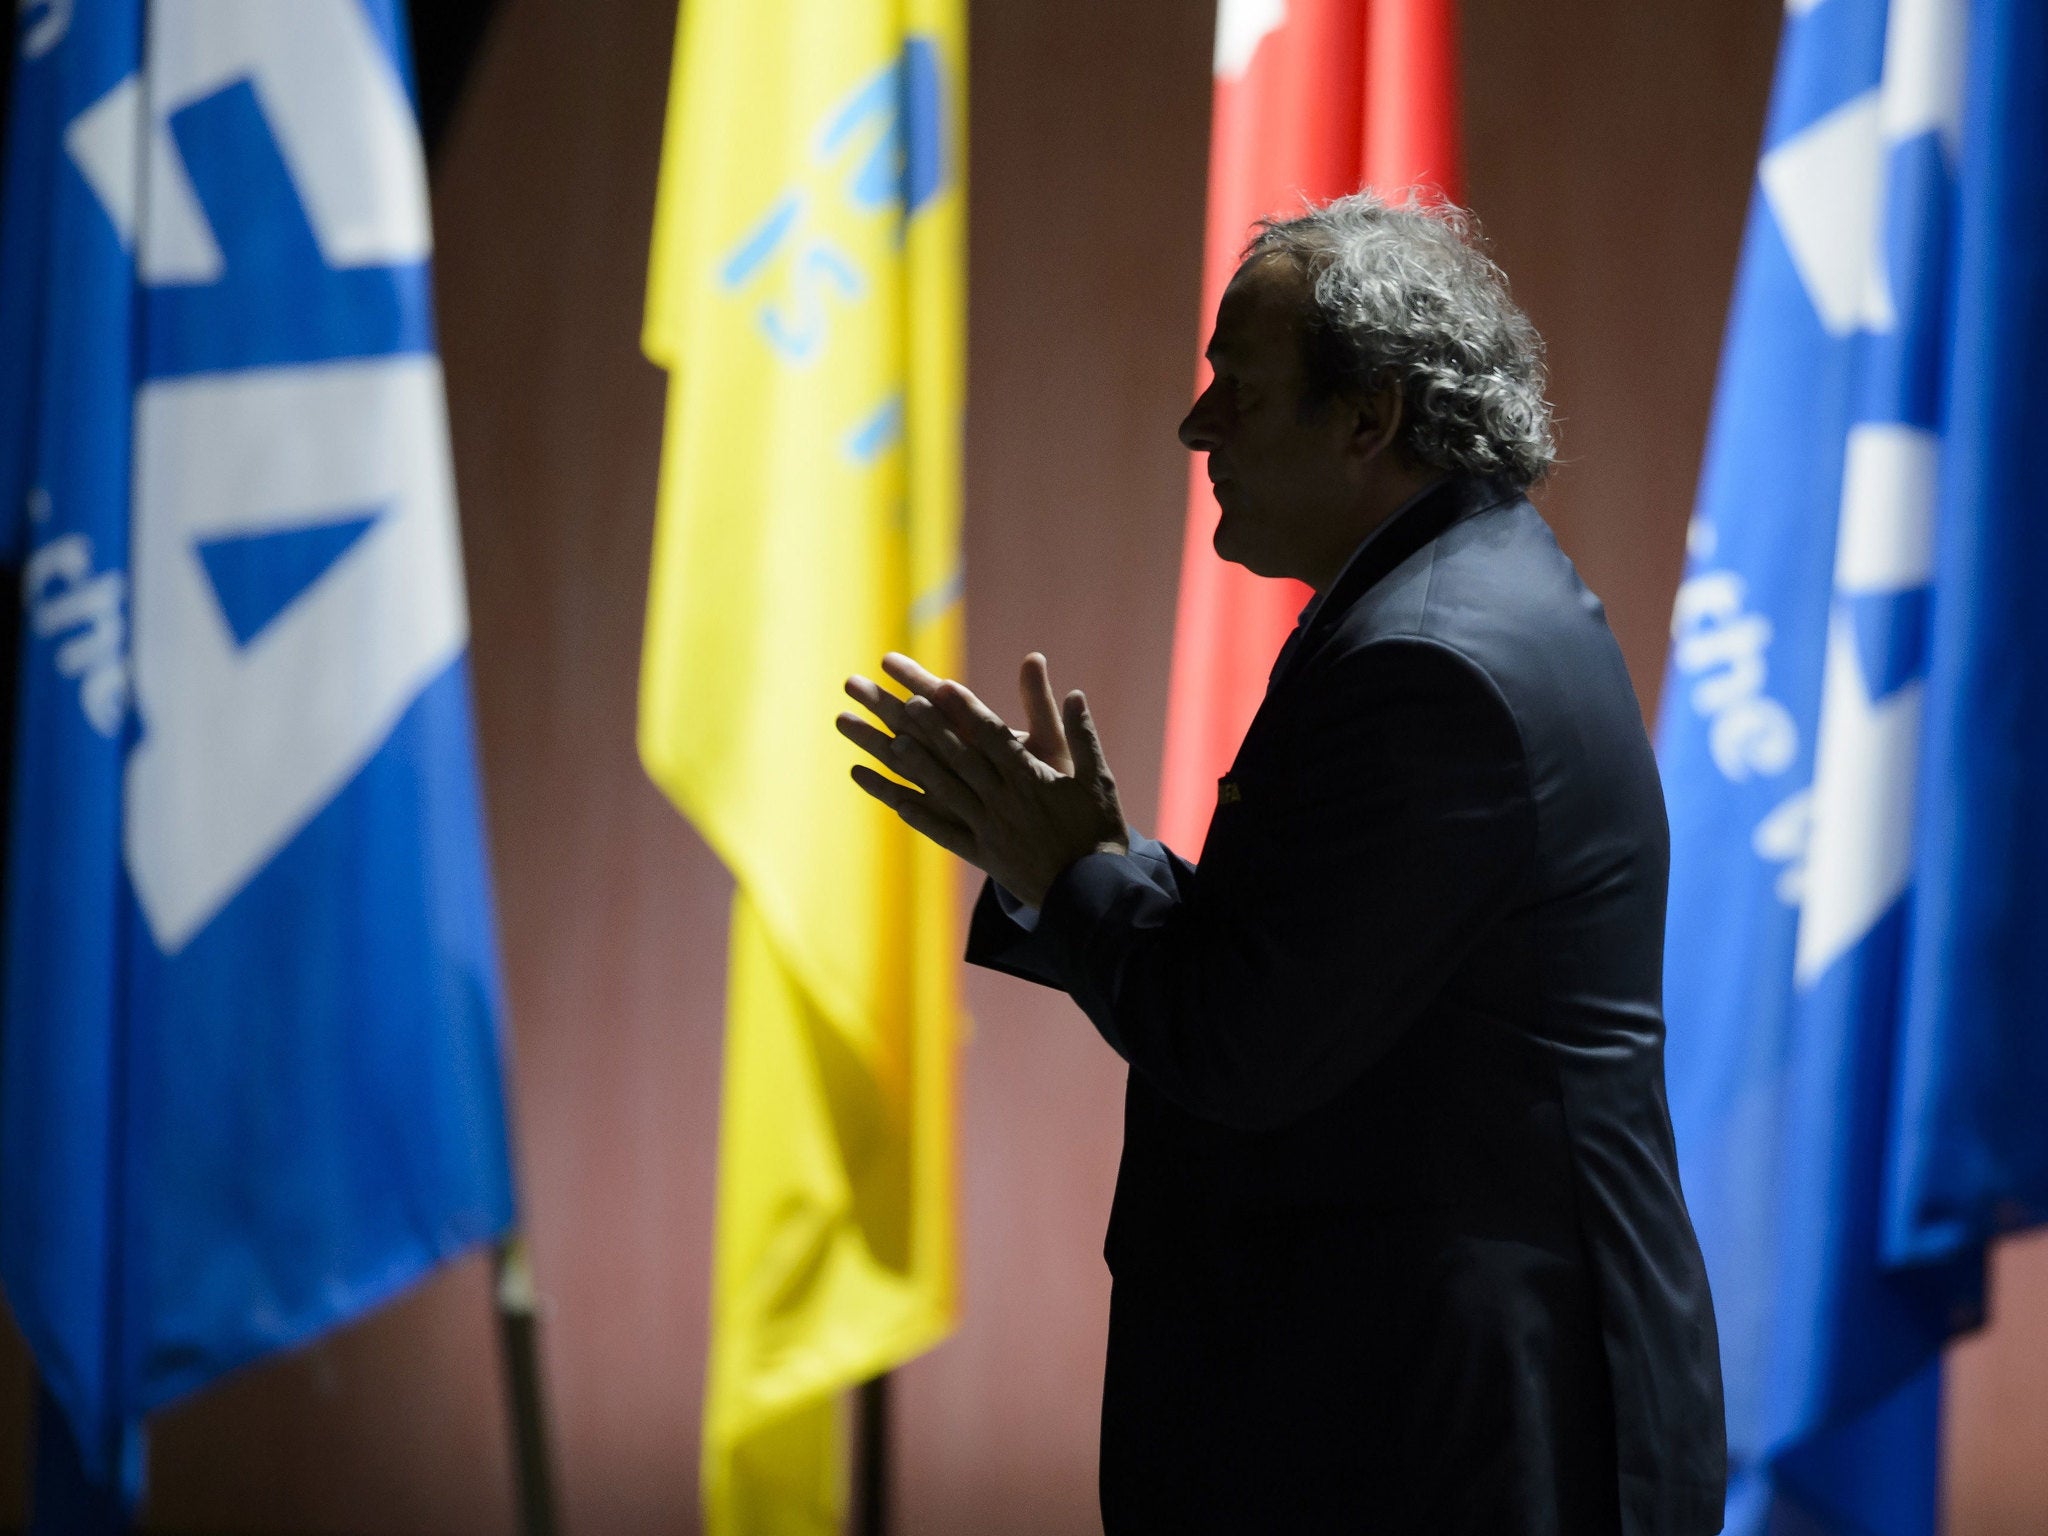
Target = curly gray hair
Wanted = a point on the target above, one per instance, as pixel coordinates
(1405, 298)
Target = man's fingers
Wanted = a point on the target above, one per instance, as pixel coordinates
(910, 673)
(1041, 709)
(1047, 738)
(879, 745)
(972, 765)
(962, 718)
(909, 756)
(981, 727)
(1090, 766)
(916, 811)
(876, 700)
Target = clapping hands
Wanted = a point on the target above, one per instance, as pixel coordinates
(1019, 805)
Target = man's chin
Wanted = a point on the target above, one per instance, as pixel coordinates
(1234, 549)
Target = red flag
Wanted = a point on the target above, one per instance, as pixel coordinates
(1314, 98)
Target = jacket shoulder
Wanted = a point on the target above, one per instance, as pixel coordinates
(1496, 590)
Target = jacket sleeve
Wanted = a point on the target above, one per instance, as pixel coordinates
(1337, 894)
(997, 941)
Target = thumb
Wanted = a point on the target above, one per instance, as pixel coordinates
(1046, 740)
(1041, 713)
(1090, 766)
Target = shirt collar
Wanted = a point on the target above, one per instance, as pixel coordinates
(1315, 601)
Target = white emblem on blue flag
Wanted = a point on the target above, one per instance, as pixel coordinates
(1858, 860)
(246, 732)
(246, 737)
(331, 100)
(1859, 853)
(1795, 735)
(1844, 841)
(251, 1073)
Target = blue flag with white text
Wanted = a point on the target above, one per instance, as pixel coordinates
(1854, 731)
(250, 1077)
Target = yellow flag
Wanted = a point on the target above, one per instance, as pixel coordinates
(806, 296)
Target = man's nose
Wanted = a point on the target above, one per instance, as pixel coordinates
(1198, 427)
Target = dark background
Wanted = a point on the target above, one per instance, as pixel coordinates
(1610, 150)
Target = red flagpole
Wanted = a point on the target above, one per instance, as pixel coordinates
(1313, 98)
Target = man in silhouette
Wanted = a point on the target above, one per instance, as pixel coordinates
(1398, 1244)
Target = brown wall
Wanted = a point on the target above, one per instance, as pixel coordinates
(1610, 152)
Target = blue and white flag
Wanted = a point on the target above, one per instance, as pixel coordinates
(1854, 739)
(249, 1061)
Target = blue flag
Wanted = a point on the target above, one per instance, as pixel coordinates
(250, 1072)
(1855, 728)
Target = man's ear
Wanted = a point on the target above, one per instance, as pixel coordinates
(1375, 422)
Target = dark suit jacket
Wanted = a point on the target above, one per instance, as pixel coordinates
(1398, 1242)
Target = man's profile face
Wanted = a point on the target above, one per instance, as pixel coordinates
(1279, 470)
